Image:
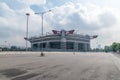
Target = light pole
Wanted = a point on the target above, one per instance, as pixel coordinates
(27, 14)
(42, 14)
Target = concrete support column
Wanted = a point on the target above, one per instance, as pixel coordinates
(47, 45)
(88, 47)
(85, 47)
(39, 46)
(32, 47)
(63, 46)
(75, 46)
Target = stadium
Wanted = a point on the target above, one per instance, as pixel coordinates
(61, 41)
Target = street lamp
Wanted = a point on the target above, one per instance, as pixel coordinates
(42, 14)
(27, 14)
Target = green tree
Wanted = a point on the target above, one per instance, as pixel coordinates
(115, 47)
(107, 48)
(118, 47)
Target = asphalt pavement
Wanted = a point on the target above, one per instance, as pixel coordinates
(59, 66)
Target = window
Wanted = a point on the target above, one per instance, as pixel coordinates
(81, 47)
(55, 45)
(70, 45)
(42, 45)
(35, 45)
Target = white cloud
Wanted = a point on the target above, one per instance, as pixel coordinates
(87, 18)
(13, 24)
(82, 15)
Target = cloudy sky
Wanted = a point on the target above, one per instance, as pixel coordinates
(91, 17)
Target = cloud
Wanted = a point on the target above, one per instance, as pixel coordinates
(33, 2)
(87, 18)
(107, 19)
(13, 24)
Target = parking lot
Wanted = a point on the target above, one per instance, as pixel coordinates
(59, 66)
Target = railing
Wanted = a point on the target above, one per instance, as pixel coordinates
(69, 36)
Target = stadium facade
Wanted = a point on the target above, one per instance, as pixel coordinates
(61, 41)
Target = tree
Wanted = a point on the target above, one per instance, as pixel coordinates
(118, 47)
(115, 47)
(107, 48)
(13, 48)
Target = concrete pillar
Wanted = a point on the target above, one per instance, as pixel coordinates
(88, 47)
(85, 47)
(40, 46)
(47, 45)
(32, 46)
(75, 46)
(63, 44)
